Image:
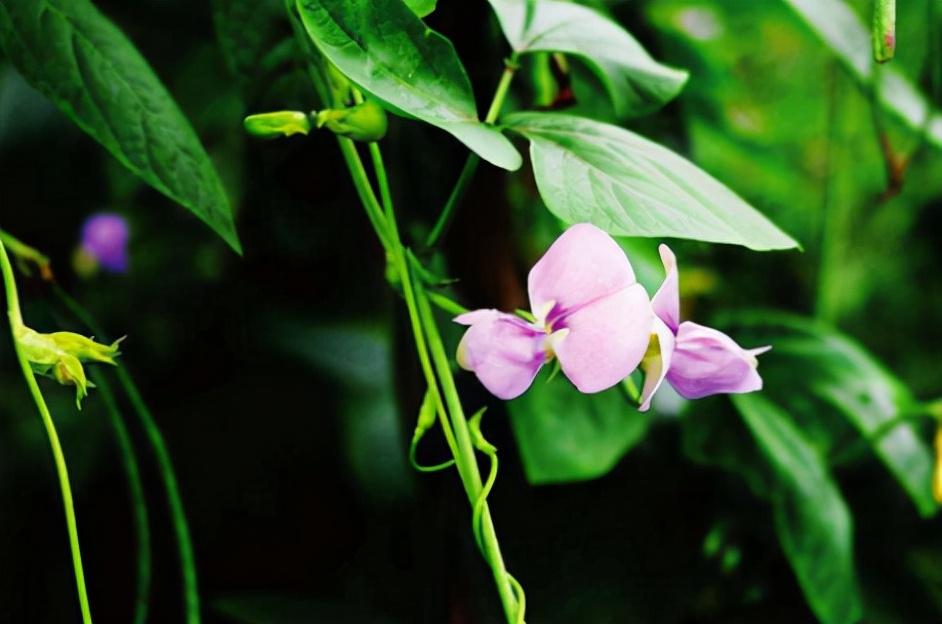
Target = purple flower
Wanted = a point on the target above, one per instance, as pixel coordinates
(697, 361)
(589, 312)
(105, 238)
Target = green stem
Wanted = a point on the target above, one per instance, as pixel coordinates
(444, 218)
(398, 256)
(428, 341)
(164, 464)
(471, 164)
(16, 320)
(136, 491)
(467, 463)
(174, 500)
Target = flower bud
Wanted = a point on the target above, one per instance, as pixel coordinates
(363, 122)
(60, 355)
(277, 124)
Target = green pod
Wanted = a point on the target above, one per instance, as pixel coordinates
(364, 122)
(884, 30)
(277, 124)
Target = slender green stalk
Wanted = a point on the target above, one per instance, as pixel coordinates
(16, 320)
(136, 491)
(181, 528)
(458, 435)
(467, 463)
(457, 193)
(24, 253)
(471, 164)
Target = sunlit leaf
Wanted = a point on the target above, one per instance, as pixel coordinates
(813, 523)
(813, 369)
(630, 186)
(842, 30)
(421, 7)
(76, 57)
(564, 435)
(636, 82)
(385, 49)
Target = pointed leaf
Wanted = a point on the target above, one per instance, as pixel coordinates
(75, 56)
(386, 50)
(629, 186)
(635, 81)
(812, 520)
(813, 361)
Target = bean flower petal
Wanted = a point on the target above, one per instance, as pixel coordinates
(584, 264)
(504, 351)
(707, 361)
(666, 301)
(606, 339)
(656, 362)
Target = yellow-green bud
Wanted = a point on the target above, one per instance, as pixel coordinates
(278, 124)
(60, 355)
(363, 122)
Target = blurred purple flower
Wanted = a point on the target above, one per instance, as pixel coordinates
(589, 311)
(105, 238)
(697, 361)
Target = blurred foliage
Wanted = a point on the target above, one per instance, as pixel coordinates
(286, 380)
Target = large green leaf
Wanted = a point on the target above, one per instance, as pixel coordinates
(636, 82)
(842, 30)
(813, 371)
(383, 47)
(564, 435)
(813, 523)
(630, 186)
(75, 56)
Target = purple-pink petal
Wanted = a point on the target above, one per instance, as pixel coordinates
(605, 339)
(666, 301)
(584, 264)
(504, 351)
(656, 362)
(706, 361)
(105, 238)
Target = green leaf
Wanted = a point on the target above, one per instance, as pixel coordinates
(813, 523)
(636, 82)
(386, 50)
(814, 371)
(76, 57)
(564, 435)
(630, 186)
(842, 30)
(421, 7)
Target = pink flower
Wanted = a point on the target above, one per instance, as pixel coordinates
(589, 311)
(697, 361)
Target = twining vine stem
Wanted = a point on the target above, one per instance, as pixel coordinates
(16, 320)
(433, 358)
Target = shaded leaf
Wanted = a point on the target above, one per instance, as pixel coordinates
(630, 186)
(813, 370)
(635, 81)
(564, 435)
(813, 523)
(76, 57)
(246, 30)
(386, 50)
